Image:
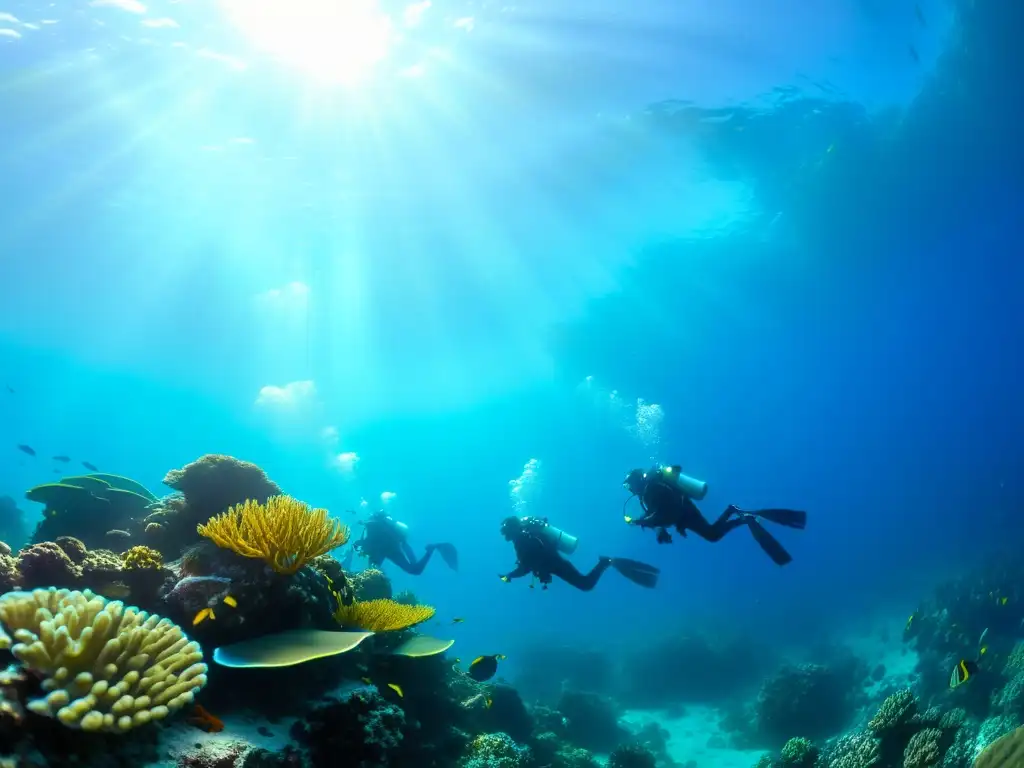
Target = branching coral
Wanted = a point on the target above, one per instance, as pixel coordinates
(105, 667)
(855, 750)
(284, 532)
(923, 750)
(142, 558)
(896, 712)
(381, 615)
(799, 752)
(496, 750)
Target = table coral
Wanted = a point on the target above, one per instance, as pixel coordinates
(105, 667)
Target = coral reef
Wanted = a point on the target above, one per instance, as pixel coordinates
(285, 533)
(813, 700)
(592, 721)
(370, 584)
(631, 756)
(104, 666)
(363, 727)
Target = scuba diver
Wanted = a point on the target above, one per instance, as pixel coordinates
(539, 547)
(666, 497)
(384, 538)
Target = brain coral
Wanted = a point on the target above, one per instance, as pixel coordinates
(105, 667)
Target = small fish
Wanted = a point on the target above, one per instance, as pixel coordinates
(913, 54)
(488, 702)
(457, 621)
(203, 720)
(117, 533)
(484, 667)
(910, 621)
(397, 689)
(920, 15)
(230, 601)
(983, 650)
(458, 661)
(90, 466)
(366, 681)
(27, 449)
(115, 590)
(64, 459)
(962, 672)
(203, 615)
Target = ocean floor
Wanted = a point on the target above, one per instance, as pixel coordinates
(694, 738)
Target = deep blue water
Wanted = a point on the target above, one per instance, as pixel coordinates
(774, 222)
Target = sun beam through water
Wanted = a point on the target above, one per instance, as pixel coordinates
(331, 41)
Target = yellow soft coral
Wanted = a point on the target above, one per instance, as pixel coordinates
(142, 558)
(104, 666)
(284, 532)
(381, 615)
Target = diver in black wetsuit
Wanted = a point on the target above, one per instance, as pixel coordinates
(538, 548)
(666, 497)
(384, 538)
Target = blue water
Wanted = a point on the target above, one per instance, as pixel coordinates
(769, 219)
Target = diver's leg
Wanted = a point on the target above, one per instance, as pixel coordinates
(695, 521)
(570, 574)
(414, 567)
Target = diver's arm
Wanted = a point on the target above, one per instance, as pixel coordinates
(517, 573)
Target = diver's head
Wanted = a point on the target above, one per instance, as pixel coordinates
(511, 527)
(378, 516)
(635, 482)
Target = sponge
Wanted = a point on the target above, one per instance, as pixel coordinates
(105, 666)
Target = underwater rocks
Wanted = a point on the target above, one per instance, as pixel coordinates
(592, 721)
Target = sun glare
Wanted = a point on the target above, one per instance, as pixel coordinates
(336, 41)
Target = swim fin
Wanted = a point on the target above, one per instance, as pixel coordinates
(449, 554)
(791, 518)
(769, 543)
(639, 573)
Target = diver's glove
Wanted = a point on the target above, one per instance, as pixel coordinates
(664, 537)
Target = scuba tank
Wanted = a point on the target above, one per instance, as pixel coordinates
(550, 535)
(690, 486)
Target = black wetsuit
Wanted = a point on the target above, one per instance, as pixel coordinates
(544, 561)
(382, 541)
(667, 507)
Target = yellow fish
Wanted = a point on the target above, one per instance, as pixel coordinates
(488, 701)
(203, 615)
(397, 689)
(229, 600)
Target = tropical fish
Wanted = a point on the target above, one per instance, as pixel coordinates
(203, 615)
(488, 702)
(484, 667)
(457, 621)
(203, 720)
(117, 533)
(366, 680)
(27, 449)
(64, 459)
(397, 689)
(91, 467)
(115, 590)
(962, 672)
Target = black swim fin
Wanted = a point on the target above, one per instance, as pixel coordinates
(639, 573)
(791, 518)
(769, 543)
(449, 554)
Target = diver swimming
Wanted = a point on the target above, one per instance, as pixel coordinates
(385, 538)
(667, 499)
(539, 547)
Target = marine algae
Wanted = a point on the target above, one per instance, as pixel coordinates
(381, 615)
